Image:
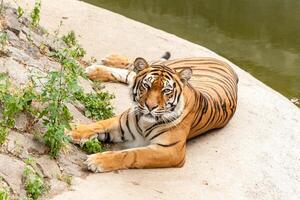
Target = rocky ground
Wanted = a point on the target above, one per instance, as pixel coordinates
(23, 53)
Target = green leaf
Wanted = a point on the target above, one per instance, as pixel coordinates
(92, 146)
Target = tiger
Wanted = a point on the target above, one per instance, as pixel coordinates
(173, 102)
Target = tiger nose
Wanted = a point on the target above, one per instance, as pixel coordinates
(151, 106)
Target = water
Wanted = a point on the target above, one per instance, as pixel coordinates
(261, 36)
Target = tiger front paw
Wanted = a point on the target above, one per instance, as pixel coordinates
(105, 162)
(80, 134)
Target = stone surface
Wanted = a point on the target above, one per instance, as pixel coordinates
(11, 36)
(11, 170)
(86, 85)
(56, 188)
(25, 142)
(257, 156)
(71, 162)
(49, 167)
(21, 122)
(16, 72)
(78, 117)
(13, 23)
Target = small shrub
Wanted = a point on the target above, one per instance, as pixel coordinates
(35, 14)
(56, 116)
(66, 178)
(4, 194)
(33, 181)
(76, 51)
(2, 7)
(62, 87)
(20, 12)
(92, 146)
(97, 105)
(70, 39)
(3, 40)
(12, 102)
(3, 134)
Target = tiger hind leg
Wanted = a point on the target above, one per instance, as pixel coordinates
(115, 68)
(117, 61)
(120, 61)
(109, 74)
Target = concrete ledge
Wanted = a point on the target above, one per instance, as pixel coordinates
(257, 156)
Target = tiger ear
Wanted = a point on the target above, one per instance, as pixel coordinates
(185, 75)
(140, 64)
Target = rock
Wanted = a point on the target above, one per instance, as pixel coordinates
(3, 184)
(11, 170)
(12, 21)
(56, 188)
(16, 71)
(45, 64)
(32, 51)
(86, 85)
(78, 117)
(72, 162)
(49, 167)
(21, 122)
(15, 40)
(53, 44)
(23, 36)
(18, 54)
(26, 142)
(11, 36)
(37, 40)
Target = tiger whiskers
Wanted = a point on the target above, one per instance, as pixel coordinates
(172, 119)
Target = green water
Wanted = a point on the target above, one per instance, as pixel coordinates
(261, 36)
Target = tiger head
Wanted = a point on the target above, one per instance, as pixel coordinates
(157, 91)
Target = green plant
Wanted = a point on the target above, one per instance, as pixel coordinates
(3, 134)
(12, 102)
(56, 116)
(75, 50)
(61, 88)
(58, 90)
(97, 105)
(2, 8)
(4, 194)
(57, 30)
(70, 39)
(30, 161)
(96, 85)
(66, 178)
(35, 14)
(92, 146)
(3, 40)
(34, 183)
(20, 12)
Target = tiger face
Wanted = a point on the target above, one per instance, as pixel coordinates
(158, 91)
